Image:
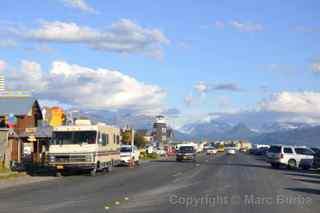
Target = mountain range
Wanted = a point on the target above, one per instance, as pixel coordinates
(268, 133)
(294, 133)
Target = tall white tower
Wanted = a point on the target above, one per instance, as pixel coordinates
(2, 85)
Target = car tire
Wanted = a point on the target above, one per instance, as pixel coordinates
(305, 167)
(93, 172)
(109, 168)
(292, 164)
(58, 174)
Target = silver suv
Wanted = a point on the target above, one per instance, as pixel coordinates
(290, 156)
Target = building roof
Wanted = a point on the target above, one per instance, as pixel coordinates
(16, 105)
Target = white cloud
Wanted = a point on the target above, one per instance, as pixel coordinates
(203, 87)
(240, 26)
(7, 43)
(246, 26)
(293, 102)
(79, 4)
(123, 36)
(315, 67)
(3, 65)
(31, 74)
(89, 88)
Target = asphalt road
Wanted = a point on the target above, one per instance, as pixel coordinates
(221, 183)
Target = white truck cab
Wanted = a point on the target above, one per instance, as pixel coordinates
(84, 146)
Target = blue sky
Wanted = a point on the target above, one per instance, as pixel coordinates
(262, 49)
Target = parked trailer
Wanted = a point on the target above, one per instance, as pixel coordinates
(84, 147)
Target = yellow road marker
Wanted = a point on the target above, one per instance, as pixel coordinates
(106, 207)
(117, 203)
(126, 198)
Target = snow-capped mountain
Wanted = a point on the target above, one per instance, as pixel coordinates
(283, 126)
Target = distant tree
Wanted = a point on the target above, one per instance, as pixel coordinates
(126, 137)
(139, 140)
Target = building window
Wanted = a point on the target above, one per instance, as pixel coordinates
(164, 130)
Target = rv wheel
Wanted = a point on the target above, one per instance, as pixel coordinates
(58, 174)
(93, 172)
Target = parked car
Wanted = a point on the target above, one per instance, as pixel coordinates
(186, 153)
(160, 152)
(231, 151)
(259, 151)
(211, 151)
(316, 159)
(127, 154)
(290, 156)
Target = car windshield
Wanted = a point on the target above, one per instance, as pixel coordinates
(125, 149)
(275, 149)
(304, 151)
(186, 149)
(74, 137)
(316, 150)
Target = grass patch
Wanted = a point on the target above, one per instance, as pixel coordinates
(4, 170)
(151, 156)
(7, 173)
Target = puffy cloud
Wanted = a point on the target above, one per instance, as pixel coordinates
(84, 87)
(294, 102)
(79, 4)
(202, 87)
(297, 107)
(3, 65)
(123, 36)
(31, 74)
(240, 26)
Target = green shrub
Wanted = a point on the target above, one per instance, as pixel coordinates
(150, 156)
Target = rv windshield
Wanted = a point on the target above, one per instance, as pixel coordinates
(77, 137)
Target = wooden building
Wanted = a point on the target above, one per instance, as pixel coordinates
(27, 114)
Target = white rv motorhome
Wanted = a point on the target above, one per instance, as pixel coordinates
(84, 146)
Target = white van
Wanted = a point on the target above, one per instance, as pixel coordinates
(128, 153)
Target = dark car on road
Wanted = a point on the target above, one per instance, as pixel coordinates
(186, 153)
(316, 159)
